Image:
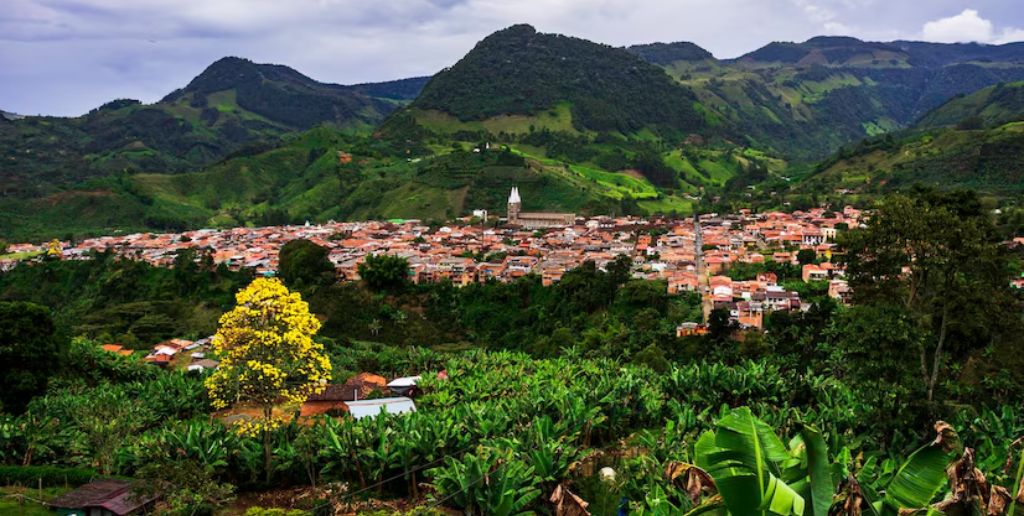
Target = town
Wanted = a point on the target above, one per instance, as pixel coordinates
(689, 256)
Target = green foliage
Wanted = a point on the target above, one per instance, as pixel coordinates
(29, 348)
(956, 288)
(383, 272)
(302, 263)
(621, 92)
(487, 484)
(943, 158)
(49, 476)
(233, 107)
(127, 301)
(985, 108)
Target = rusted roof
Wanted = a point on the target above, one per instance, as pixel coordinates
(114, 495)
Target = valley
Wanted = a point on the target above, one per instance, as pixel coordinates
(557, 276)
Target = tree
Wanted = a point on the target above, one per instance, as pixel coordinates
(720, 325)
(302, 263)
(267, 354)
(805, 256)
(936, 255)
(653, 357)
(29, 349)
(383, 272)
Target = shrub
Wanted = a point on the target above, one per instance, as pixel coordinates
(48, 475)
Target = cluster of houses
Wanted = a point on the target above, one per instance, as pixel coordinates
(465, 253)
(183, 353)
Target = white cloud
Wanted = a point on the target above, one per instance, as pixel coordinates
(1010, 35)
(964, 27)
(969, 26)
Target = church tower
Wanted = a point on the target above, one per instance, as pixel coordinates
(515, 204)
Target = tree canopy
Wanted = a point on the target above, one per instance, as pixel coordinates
(302, 263)
(29, 348)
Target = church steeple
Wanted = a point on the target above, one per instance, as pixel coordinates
(513, 198)
(514, 205)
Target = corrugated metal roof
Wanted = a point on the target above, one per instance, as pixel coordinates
(369, 408)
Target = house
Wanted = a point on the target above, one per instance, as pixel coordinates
(336, 398)
(404, 386)
(104, 497)
(158, 360)
(371, 408)
(203, 365)
(689, 329)
(171, 347)
(117, 349)
(813, 272)
(840, 289)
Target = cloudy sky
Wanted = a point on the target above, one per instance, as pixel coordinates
(64, 57)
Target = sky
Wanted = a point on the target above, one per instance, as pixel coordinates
(65, 57)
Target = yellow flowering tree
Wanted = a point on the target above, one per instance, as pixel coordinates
(267, 356)
(54, 249)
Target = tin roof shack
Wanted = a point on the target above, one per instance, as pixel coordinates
(371, 408)
(105, 497)
(334, 400)
(405, 386)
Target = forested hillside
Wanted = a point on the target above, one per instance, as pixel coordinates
(985, 108)
(233, 104)
(805, 100)
(587, 127)
(973, 141)
(518, 71)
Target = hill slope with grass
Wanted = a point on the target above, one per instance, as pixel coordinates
(326, 174)
(985, 108)
(805, 100)
(990, 160)
(972, 141)
(233, 104)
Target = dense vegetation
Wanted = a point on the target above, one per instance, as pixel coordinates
(986, 108)
(322, 175)
(234, 104)
(546, 385)
(779, 97)
(520, 71)
(947, 158)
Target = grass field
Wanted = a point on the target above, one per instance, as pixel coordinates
(558, 118)
(20, 256)
(11, 503)
(667, 204)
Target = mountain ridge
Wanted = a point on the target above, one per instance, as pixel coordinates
(233, 104)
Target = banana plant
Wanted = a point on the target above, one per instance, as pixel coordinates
(745, 459)
(487, 482)
(910, 486)
(757, 474)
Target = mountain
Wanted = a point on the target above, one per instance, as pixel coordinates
(988, 107)
(519, 72)
(827, 51)
(232, 104)
(972, 141)
(805, 100)
(6, 115)
(576, 125)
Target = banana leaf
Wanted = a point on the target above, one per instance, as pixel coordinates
(917, 481)
(819, 470)
(743, 458)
